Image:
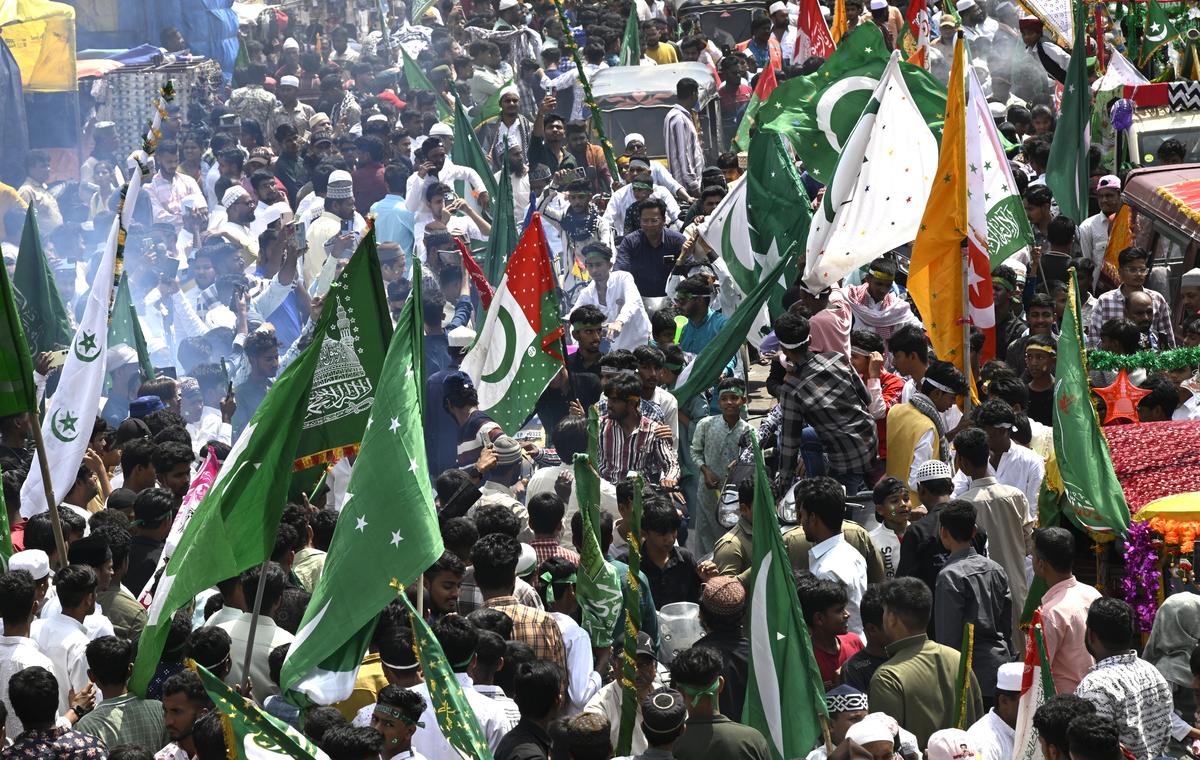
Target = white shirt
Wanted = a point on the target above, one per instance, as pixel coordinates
(622, 199)
(622, 303)
(497, 695)
(991, 737)
(582, 679)
(429, 740)
(209, 428)
(1020, 468)
(64, 640)
(16, 654)
(1189, 411)
(542, 481)
(96, 624)
(835, 560)
(414, 196)
(166, 197)
(266, 638)
(888, 544)
(1093, 240)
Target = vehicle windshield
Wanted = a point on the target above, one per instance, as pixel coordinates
(645, 120)
(1148, 142)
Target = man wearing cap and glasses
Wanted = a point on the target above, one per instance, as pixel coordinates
(635, 147)
(288, 108)
(332, 233)
(1094, 231)
(921, 552)
(638, 170)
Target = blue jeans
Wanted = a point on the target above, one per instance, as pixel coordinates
(812, 453)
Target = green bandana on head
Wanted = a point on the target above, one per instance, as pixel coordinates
(548, 578)
(696, 693)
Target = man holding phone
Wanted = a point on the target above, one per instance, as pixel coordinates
(332, 233)
(169, 188)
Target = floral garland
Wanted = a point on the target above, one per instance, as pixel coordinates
(1142, 576)
(1153, 361)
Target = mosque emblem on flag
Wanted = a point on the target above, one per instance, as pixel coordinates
(340, 384)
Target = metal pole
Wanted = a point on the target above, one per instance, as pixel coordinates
(48, 488)
(421, 597)
(258, 597)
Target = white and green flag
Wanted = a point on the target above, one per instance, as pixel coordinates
(518, 351)
(71, 412)
(996, 219)
(877, 195)
(388, 520)
(762, 221)
(784, 695)
(817, 112)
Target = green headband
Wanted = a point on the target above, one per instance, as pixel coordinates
(392, 712)
(1007, 283)
(696, 693)
(548, 578)
(673, 366)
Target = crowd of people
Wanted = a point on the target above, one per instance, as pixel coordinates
(904, 518)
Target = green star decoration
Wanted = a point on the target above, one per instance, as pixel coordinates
(67, 422)
(88, 342)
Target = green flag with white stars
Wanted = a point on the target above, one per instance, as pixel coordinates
(388, 520)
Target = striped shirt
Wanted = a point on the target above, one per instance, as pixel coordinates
(641, 451)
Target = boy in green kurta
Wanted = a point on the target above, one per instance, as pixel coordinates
(714, 448)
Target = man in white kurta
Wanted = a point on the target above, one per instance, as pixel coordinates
(993, 735)
(615, 294)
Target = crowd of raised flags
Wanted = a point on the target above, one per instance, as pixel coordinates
(392, 410)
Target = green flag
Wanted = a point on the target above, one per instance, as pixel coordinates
(417, 80)
(703, 371)
(760, 223)
(503, 240)
(233, 528)
(388, 518)
(633, 606)
(125, 327)
(763, 88)
(455, 718)
(817, 112)
(598, 586)
(468, 152)
(631, 42)
(47, 326)
(17, 392)
(517, 352)
(490, 108)
(1158, 31)
(1094, 499)
(1067, 167)
(6, 547)
(784, 695)
(251, 734)
(352, 354)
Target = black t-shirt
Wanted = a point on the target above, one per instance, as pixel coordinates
(143, 558)
(1041, 405)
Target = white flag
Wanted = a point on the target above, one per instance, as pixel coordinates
(996, 220)
(877, 196)
(71, 413)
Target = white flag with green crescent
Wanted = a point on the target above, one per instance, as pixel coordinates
(519, 350)
(71, 413)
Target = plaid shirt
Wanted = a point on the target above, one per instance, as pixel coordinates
(1111, 305)
(126, 719)
(826, 393)
(641, 451)
(545, 548)
(535, 628)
